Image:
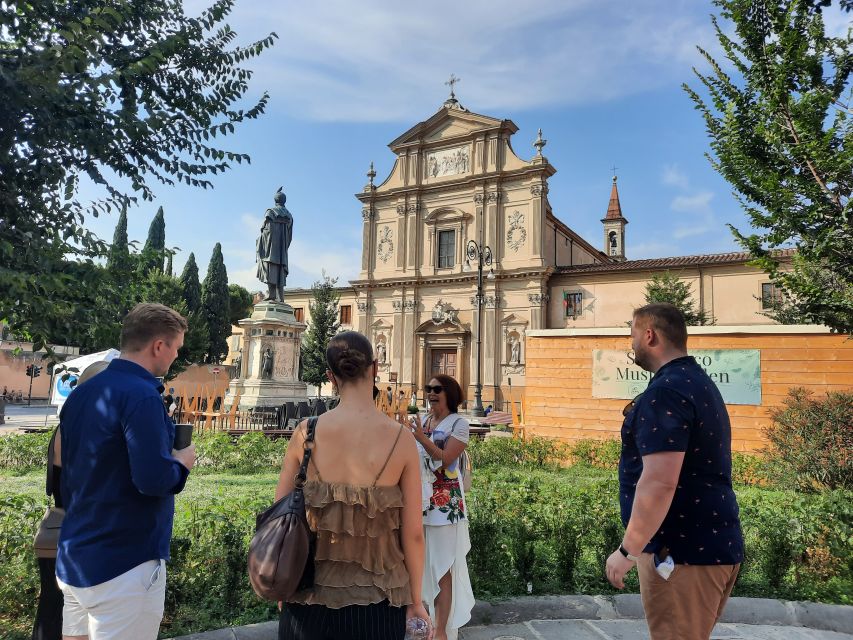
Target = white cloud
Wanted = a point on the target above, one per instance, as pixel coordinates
(673, 176)
(699, 217)
(377, 62)
(650, 250)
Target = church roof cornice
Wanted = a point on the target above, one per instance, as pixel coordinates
(544, 171)
(455, 278)
(416, 135)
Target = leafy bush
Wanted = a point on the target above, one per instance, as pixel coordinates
(532, 452)
(24, 452)
(597, 453)
(811, 441)
(250, 453)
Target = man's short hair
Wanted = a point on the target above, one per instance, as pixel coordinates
(148, 321)
(667, 320)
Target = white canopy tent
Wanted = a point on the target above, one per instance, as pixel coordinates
(62, 388)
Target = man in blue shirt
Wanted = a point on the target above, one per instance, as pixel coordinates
(120, 475)
(682, 527)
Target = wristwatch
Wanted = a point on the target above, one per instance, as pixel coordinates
(625, 553)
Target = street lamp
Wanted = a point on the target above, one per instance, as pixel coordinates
(483, 256)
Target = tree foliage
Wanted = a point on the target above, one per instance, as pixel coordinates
(240, 305)
(118, 259)
(154, 249)
(781, 129)
(191, 285)
(127, 95)
(666, 287)
(322, 327)
(215, 302)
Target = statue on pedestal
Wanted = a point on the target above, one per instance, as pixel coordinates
(266, 364)
(272, 245)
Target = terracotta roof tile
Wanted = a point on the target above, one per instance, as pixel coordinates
(668, 263)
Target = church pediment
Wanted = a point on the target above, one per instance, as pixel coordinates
(449, 123)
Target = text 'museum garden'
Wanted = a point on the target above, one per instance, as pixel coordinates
(472, 260)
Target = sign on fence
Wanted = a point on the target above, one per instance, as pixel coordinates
(736, 372)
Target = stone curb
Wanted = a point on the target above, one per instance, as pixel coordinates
(825, 617)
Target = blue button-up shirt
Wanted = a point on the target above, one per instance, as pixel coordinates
(118, 476)
(682, 410)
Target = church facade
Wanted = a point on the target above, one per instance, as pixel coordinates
(458, 191)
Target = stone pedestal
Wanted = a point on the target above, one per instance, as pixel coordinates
(272, 325)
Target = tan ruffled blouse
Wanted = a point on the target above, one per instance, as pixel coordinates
(359, 556)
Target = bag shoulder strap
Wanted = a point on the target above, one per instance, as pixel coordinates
(48, 489)
(308, 447)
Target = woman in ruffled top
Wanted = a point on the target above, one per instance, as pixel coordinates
(363, 499)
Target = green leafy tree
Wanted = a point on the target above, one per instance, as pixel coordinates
(240, 305)
(322, 327)
(782, 135)
(154, 249)
(169, 269)
(118, 260)
(196, 342)
(666, 287)
(191, 285)
(215, 302)
(129, 94)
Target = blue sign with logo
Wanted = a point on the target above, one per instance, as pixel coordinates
(65, 387)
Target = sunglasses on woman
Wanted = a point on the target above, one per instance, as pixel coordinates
(436, 389)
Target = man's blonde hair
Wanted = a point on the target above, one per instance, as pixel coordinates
(149, 321)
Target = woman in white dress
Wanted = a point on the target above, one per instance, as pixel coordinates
(443, 437)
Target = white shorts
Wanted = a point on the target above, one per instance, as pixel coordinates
(128, 606)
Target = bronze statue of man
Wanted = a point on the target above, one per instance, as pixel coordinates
(272, 246)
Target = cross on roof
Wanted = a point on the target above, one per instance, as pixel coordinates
(450, 83)
(614, 167)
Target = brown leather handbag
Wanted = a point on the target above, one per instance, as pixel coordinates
(281, 555)
(47, 535)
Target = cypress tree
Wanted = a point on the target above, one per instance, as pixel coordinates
(215, 305)
(190, 285)
(169, 263)
(321, 328)
(155, 244)
(118, 259)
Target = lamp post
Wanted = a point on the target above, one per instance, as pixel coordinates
(483, 256)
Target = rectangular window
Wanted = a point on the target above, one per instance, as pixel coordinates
(299, 312)
(446, 249)
(770, 294)
(573, 304)
(346, 314)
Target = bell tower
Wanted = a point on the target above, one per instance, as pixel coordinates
(614, 227)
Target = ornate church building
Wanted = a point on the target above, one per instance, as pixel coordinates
(461, 208)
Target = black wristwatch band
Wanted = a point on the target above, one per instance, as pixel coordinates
(625, 553)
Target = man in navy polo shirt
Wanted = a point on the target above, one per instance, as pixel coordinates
(119, 477)
(682, 528)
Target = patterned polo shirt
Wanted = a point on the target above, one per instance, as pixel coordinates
(682, 410)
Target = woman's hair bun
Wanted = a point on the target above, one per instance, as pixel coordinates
(349, 355)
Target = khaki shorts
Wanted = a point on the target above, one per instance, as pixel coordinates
(688, 605)
(128, 606)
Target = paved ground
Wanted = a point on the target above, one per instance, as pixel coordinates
(20, 415)
(618, 618)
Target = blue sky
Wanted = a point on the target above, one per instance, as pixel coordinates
(602, 80)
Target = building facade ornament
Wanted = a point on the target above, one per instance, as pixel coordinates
(385, 248)
(538, 299)
(494, 196)
(397, 304)
(538, 190)
(410, 305)
(362, 305)
(366, 214)
(442, 312)
(478, 198)
(412, 208)
(516, 234)
(401, 209)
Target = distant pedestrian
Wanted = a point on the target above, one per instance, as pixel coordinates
(120, 473)
(675, 486)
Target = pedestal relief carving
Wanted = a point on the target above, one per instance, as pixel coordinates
(538, 299)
